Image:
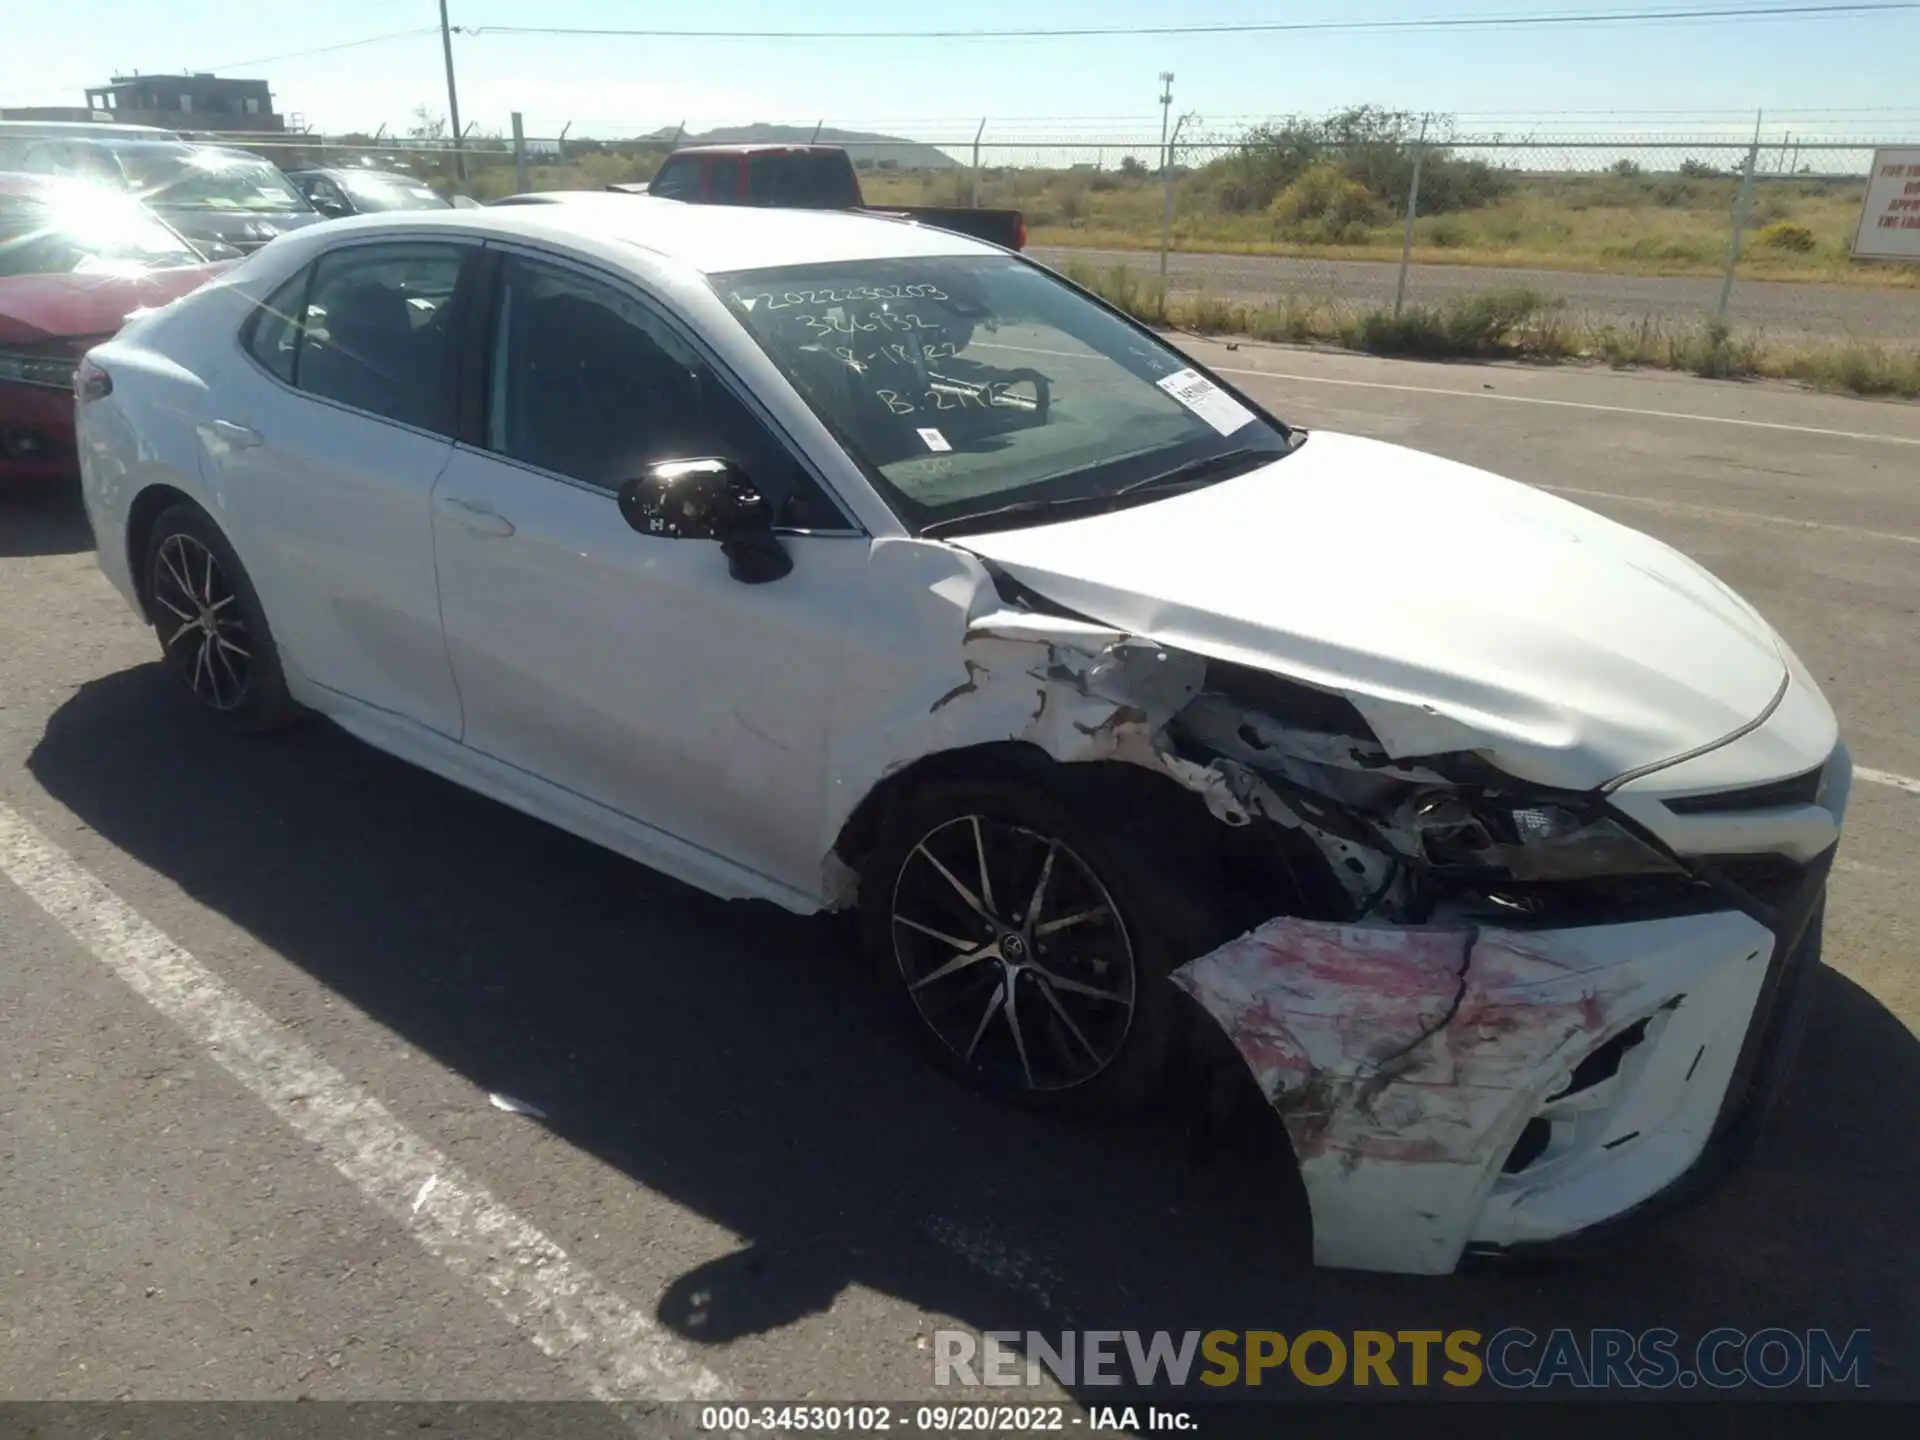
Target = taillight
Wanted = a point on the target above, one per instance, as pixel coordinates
(1020, 231)
(91, 382)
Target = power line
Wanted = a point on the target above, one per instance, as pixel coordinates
(1455, 22)
(329, 49)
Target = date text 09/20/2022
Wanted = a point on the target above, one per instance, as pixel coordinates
(912, 1419)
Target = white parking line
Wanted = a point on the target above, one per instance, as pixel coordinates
(1719, 512)
(614, 1351)
(1887, 777)
(1571, 405)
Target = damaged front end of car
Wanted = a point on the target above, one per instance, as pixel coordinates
(1515, 1014)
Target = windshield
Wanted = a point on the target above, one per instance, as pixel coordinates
(212, 180)
(84, 230)
(965, 385)
(391, 192)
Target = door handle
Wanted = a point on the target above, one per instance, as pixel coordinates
(475, 515)
(240, 437)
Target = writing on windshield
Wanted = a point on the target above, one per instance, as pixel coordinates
(963, 382)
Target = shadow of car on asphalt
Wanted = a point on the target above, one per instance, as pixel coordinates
(731, 1058)
(43, 521)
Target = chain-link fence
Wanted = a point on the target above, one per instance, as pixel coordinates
(1618, 242)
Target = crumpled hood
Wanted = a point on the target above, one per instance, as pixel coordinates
(38, 308)
(1456, 609)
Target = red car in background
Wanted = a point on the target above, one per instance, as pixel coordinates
(75, 261)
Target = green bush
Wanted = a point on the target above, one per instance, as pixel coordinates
(1324, 204)
(1474, 326)
(1784, 235)
(1372, 147)
(1714, 352)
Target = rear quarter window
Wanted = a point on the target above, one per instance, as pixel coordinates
(272, 333)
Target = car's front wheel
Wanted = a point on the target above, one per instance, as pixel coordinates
(213, 634)
(1027, 940)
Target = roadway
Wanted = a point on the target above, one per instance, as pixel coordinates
(1790, 311)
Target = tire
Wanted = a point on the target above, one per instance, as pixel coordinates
(213, 633)
(1101, 1056)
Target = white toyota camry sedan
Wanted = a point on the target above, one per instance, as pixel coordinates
(838, 562)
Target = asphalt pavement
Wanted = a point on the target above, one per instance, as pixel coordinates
(1779, 310)
(256, 996)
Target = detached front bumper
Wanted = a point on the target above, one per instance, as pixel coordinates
(1451, 1089)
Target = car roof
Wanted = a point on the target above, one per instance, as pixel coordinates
(179, 149)
(707, 238)
(341, 172)
(760, 147)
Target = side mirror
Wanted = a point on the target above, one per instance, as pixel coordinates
(328, 206)
(708, 500)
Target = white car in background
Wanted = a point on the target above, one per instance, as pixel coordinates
(836, 561)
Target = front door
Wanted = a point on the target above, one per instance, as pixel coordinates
(631, 669)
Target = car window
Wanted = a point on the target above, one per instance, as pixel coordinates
(723, 180)
(802, 179)
(321, 191)
(45, 160)
(203, 178)
(392, 192)
(79, 229)
(968, 384)
(273, 333)
(677, 180)
(587, 381)
(374, 335)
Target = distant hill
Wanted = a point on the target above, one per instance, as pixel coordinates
(861, 144)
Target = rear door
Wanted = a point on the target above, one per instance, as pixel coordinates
(329, 434)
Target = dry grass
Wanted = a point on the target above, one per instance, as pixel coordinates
(1798, 228)
(1513, 324)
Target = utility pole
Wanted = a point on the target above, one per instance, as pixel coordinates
(453, 95)
(1740, 201)
(1166, 174)
(975, 202)
(1413, 212)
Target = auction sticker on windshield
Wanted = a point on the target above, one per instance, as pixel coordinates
(1207, 400)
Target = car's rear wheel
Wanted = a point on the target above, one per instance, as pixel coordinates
(213, 634)
(1027, 939)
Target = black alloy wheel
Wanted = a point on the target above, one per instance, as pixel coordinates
(201, 626)
(213, 634)
(1014, 954)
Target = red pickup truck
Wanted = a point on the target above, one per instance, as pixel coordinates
(807, 177)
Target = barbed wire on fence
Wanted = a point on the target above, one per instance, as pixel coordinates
(1360, 226)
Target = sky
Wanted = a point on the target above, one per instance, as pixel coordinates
(1701, 78)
